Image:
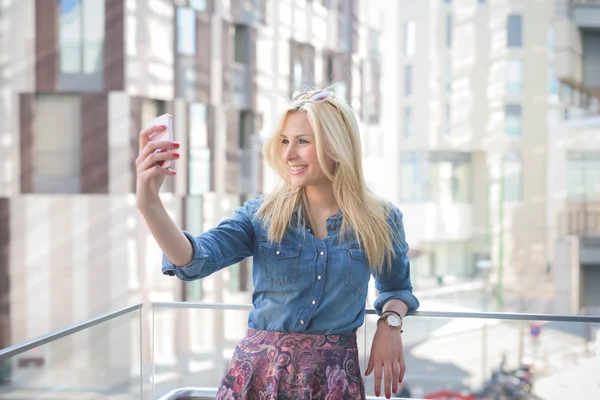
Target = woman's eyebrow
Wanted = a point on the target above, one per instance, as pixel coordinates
(297, 136)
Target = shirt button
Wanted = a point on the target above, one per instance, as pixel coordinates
(301, 322)
(322, 253)
(314, 302)
(332, 226)
(277, 252)
(309, 229)
(319, 277)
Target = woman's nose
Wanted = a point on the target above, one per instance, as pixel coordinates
(290, 152)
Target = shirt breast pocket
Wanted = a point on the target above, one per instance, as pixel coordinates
(280, 261)
(359, 273)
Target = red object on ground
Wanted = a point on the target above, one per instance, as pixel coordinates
(448, 395)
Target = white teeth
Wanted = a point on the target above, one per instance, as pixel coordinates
(298, 168)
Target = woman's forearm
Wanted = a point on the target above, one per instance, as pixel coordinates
(174, 244)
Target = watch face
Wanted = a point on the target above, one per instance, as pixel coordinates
(393, 320)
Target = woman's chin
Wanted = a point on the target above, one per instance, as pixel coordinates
(296, 183)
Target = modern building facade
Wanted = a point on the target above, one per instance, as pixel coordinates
(576, 156)
(473, 90)
(79, 79)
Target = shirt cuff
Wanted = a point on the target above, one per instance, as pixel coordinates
(192, 270)
(405, 296)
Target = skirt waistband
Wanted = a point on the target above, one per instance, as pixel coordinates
(299, 340)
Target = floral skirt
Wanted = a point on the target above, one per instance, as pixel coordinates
(270, 365)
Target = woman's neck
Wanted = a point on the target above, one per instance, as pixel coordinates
(321, 199)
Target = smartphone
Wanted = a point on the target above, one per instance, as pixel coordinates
(165, 134)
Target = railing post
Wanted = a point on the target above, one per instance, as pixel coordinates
(484, 347)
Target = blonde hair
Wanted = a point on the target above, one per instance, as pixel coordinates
(336, 135)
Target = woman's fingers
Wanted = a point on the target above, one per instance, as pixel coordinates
(152, 147)
(387, 380)
(377, 379)
(157, 158)
(146, 133)
(395, 376)
(402, 366)
(155, 171)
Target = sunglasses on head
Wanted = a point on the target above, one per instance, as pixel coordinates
(314, 97)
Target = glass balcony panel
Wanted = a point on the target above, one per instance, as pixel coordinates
(102, 361)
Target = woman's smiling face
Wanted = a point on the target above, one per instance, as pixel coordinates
(299, 152)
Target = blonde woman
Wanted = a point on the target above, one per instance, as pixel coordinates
(315, 241)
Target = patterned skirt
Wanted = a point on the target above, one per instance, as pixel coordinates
(270, 365)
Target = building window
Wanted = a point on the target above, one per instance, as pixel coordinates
(513, 121)
(448, 119)
(436, 177)
(410, 38)
(186, 31)
(449, 78)
(449, 30)
(246, 129)
(550, 42)
(408, 80)
(583, 176)
(248, 154)
(302, 61)
(514, 28)
(327, 4)
(370, 93)
(513, 177)
(199, 152)
(198, 5)
(297, 76)
(241, 48)
(514, 77)
(328, 68)
(553, 84)
(81, 36)
(408, 122)
(56, 157)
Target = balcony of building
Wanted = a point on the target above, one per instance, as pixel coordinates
(178, 350)
(577, 46)
(586, 14)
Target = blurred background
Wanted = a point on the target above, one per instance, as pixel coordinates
(480, 120)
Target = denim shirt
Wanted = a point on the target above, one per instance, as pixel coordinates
(303, 284)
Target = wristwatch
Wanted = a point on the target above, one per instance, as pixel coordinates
(392, 319)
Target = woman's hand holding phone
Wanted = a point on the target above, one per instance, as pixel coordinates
(157, 154)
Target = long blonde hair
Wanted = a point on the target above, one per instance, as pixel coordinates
(336, 135)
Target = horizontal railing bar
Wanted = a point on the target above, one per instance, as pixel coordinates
(53, 336)
(431, 314)
(206, 392)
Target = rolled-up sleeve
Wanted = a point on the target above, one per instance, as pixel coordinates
(394, 282)
(228, 243)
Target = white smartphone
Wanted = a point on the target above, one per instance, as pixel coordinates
(166, 134)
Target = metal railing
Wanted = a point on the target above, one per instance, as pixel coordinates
(430, 314)
(486, 323)
(54, 336)
(418, 321)
(586, 2)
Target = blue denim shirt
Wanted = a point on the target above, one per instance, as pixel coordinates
(303, 284)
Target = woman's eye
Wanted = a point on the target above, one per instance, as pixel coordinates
(302, 141)
(285, 141)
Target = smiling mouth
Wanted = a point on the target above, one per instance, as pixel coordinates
(296, 168)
